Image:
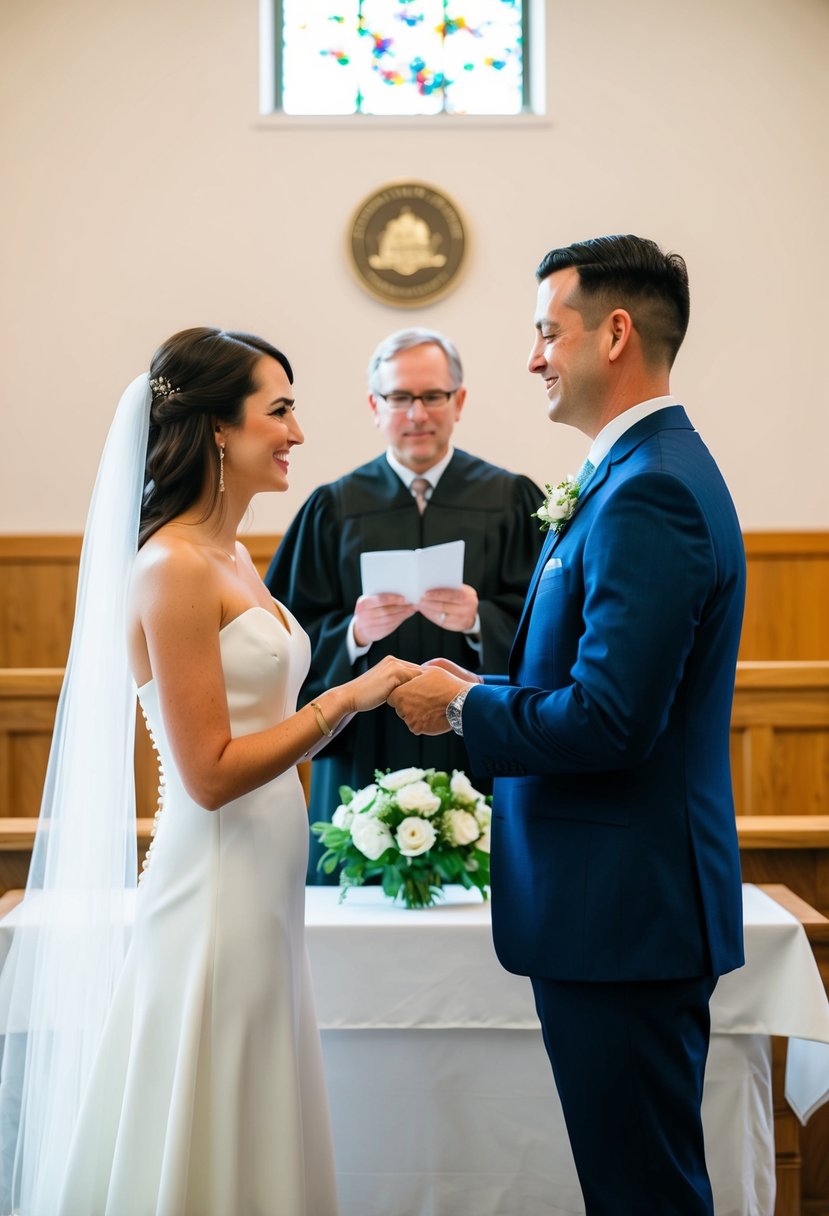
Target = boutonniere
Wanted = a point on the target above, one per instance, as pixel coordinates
(559, 505)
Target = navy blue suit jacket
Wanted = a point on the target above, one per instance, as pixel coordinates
(614, 845)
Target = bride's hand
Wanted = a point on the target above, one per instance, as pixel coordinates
(379, 682)
(454, 669)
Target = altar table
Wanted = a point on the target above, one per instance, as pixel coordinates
(442, 1098)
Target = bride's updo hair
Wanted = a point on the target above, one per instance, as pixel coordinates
(199, 377)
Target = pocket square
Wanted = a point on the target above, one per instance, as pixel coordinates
(553, 564)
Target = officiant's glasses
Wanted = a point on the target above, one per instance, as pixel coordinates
(433, 400)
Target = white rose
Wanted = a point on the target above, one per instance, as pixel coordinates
(370, 836)
(461, 827)
(483, 813)
(415, 836)
(553, 511)
(420, 797)
(463, 789)
(363, 799)
(403, 776)
(342, 817)
(482, 842)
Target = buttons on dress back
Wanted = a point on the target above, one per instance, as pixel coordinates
(162, 788)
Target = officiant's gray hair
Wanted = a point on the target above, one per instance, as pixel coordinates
(406, 339)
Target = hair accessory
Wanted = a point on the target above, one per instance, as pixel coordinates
(222, 471)
(160, 386)
(321, 722)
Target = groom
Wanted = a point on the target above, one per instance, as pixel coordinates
(615, 868)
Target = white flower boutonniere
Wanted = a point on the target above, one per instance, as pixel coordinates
(559, 505)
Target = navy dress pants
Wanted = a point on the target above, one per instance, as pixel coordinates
(628, 1061)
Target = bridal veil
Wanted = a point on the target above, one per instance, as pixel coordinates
(70, 933)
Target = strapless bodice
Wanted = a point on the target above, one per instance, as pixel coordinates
(264, 667)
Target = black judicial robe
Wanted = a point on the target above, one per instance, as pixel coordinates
(316, 572)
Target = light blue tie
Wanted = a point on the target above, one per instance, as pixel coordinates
(585, 473)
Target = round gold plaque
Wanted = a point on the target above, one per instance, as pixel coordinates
(407, 244)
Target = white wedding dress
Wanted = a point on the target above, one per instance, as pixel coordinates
(207, 1097)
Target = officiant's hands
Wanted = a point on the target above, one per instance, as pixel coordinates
(422, 701)
(454, 608)
(376, 616)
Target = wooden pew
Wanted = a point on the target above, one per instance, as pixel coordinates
(792, 850)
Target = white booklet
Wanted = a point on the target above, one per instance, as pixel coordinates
(411, 572)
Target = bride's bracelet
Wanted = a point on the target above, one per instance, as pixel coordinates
(321, 722)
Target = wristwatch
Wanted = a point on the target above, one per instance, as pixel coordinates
(454, 711)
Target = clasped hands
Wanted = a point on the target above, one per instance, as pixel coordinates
(421, 701)
(376, 616)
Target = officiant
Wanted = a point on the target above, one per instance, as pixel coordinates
(421, 491)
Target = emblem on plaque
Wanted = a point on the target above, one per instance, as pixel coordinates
(407, 244)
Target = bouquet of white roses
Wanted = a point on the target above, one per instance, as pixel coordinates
(415, 830)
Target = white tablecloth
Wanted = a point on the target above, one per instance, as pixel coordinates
(442, 1098)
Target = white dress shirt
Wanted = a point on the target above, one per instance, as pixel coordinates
(617, 426)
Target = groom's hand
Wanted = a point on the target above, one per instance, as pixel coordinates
(421, 702)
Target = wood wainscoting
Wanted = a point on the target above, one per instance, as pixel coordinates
(787, 605)
(38, 585)
(787, 597)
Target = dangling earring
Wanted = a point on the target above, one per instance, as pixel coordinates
(221, 470)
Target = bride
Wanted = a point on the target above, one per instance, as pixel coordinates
(181, 1075)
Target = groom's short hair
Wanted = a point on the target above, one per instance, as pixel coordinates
(633, 273)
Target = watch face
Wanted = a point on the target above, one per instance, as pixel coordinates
(454, 713)
(407, 242)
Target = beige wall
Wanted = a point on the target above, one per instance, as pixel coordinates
(142, 195)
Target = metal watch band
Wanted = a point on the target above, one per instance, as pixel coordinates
(454, 711)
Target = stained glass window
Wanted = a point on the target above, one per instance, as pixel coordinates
(401, 57)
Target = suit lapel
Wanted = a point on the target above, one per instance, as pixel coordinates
(671, 418)
(550, 545)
